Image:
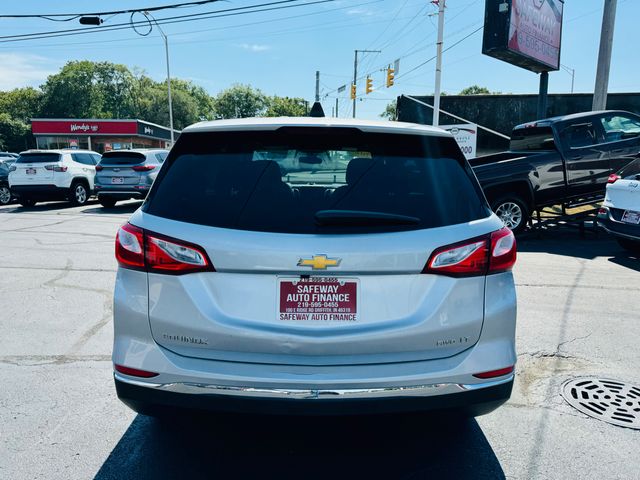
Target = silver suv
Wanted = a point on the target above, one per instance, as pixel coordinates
(124, 174)
(314, 266)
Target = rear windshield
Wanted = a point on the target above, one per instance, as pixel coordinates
(532, 138)
(122, 158)
(38, 158)
(631, 171)
(316, 180)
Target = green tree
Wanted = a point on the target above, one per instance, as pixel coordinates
(14, 134)
(475, 90)
(21, 103)
(390, 111)
(85, 89)
(286, 107)
(240, 101)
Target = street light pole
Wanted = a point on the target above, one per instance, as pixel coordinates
(166, 51)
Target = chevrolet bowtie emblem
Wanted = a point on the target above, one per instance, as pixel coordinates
(319, 262)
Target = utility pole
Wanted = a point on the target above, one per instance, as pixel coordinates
(355, 72)
(336, 107)
(317, 85)
(604, 55)
(436, 95)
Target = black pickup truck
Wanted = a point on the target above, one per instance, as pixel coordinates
(560, 160)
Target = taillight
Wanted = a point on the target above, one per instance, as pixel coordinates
(166, 255)
(613, 178)
(99, 168)
(134, 372)
(492, 253)
(143, 168)
(130, 247)
(56, 168)
(495, 373)
(141, 250)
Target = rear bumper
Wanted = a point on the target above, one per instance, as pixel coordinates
(474, 399)
(619, 229)
(39, 191)
(122, 192)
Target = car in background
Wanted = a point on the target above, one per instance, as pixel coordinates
(125, 174)
(44, 175)
(312, 265)
(620, 212)
(5, 192)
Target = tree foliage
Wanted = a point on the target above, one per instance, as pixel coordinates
(475, 90)
(390, 111)
(86, 89)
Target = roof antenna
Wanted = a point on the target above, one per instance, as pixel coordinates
(316, 110)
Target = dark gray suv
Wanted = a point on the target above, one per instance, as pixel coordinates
(125, 174)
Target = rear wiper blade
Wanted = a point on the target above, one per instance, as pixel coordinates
(362, 218)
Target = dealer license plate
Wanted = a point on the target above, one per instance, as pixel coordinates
(323, 299)
(118, 180)
(629, 216)
(31, 171)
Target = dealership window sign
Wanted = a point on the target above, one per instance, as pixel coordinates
(525, 33)
(466, 134)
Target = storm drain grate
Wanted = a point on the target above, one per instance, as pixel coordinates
(611, 401)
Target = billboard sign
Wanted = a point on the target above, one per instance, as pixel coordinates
(466, 134)
(526, 33)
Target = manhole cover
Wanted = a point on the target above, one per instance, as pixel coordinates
(607, 400)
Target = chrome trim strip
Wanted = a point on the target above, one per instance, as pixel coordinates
(428, 390)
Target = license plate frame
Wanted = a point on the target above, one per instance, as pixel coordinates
(631, 216)
(31, 171)
(336, 299)
(117, 180)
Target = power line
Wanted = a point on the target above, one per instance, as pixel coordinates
(73, 16)
(163, 21)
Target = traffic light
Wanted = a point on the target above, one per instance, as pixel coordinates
(353, 91)
(369, 87)
(390, 77)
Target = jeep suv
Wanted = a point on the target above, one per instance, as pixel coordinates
(42, 175)
(312, 265)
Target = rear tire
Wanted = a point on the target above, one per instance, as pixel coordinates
(513, 212)
(27, 202)
(79, 194)
(5, 195)
(632, 246)
(107, 202)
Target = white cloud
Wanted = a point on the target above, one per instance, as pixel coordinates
(252, 47)
(25, 70)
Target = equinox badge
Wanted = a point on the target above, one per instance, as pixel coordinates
(319, 262)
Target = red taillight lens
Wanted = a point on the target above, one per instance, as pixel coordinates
(141, 250)
(613, 178)
(56, 168)
(492, 253)
(143, 168)
(99, 168)
(134, 372)
(495, 373)
(503, 251)
(461, 259)
(164, 255)
(130, 247)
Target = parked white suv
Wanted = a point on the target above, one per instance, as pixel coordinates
(42, 175)
(307, 265)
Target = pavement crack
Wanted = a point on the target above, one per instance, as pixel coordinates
(36, 360)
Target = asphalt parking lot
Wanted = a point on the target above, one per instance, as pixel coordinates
(60, 418)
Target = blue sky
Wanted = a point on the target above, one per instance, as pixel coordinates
(279, 52)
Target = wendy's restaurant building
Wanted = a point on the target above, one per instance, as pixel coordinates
(98, 134)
